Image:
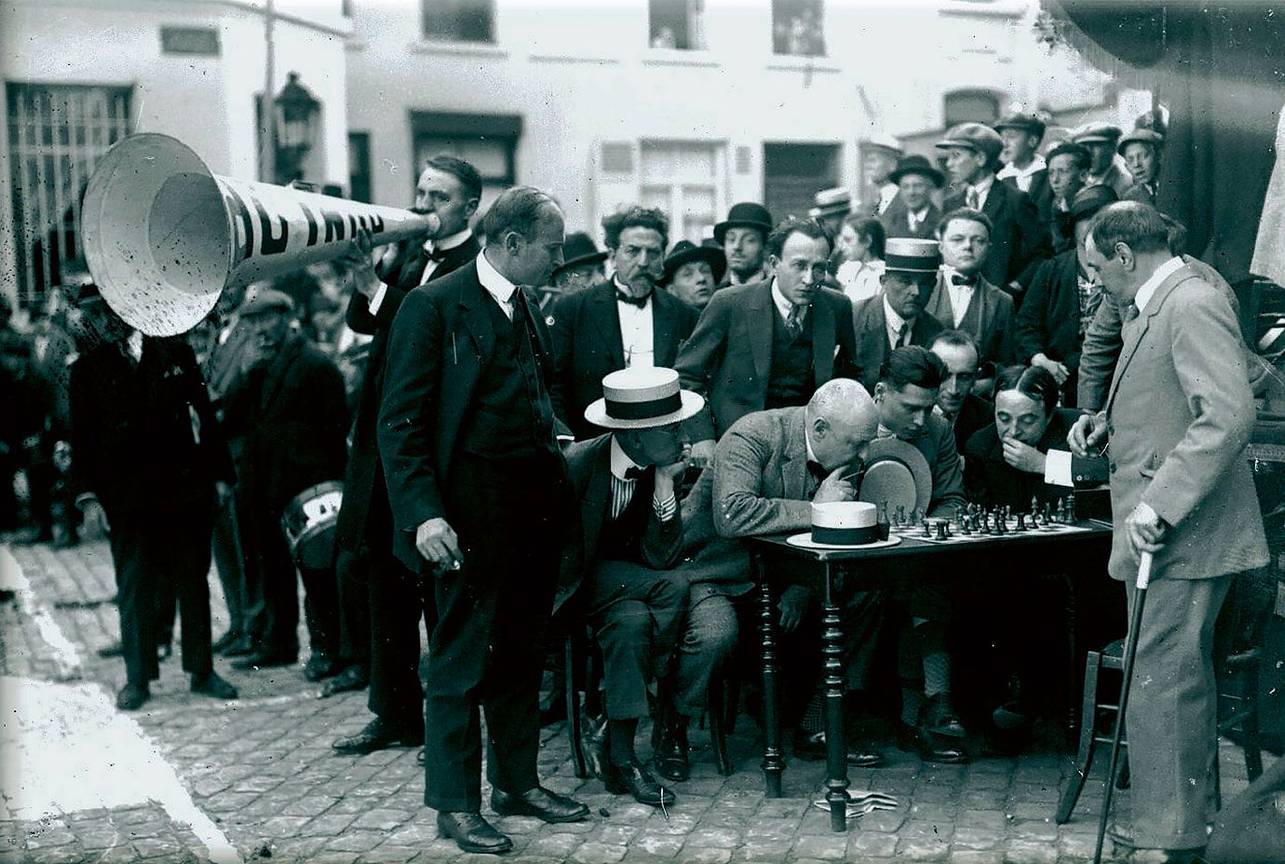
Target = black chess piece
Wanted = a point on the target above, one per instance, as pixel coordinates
(1000, 527)
(1021, 522)
(964, 526)
(927, 530)
(901, 515)
(941, 530)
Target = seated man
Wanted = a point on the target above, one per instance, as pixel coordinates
(765, 474)
(906, 396)
(956, 402)
(630, 532)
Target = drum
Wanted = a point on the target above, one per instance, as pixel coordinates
(309, 524)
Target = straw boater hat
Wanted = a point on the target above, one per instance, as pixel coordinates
(643, 397)
(844, 525)
(911, 255)
(831, 202)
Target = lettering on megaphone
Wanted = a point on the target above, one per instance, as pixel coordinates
(164, 236)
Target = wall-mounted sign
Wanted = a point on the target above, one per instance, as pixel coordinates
(202, 41)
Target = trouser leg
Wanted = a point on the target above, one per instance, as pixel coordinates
(321, 610)
(225, 549)
(708, 640)
(397, 597)
(189, 554)
(352, 574)
(134, 599)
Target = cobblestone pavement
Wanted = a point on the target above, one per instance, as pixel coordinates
(258, 774)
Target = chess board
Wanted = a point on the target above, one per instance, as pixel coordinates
(955, 535)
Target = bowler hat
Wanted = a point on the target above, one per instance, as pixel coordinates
(916, 164)
(642, 397)
(267, 300)
(1096, 133)
(975, 136)
(1028, 123)
(911, 255)
(578, 249)
(684, 252)
(831, 202)
(1090, 200)
(1140, 136)
(746, 214)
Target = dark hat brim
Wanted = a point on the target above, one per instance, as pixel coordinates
(938, 178)
(711, 255)
(579, 261)
(721, 229)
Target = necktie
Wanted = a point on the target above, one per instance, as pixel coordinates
(903, 335)
(963, 279)
(973, 199)
(794, 321)
(640, 302)
(1130, 312)
(633, 472)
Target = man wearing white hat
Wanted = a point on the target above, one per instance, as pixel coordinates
(618, 562)
(895, 316)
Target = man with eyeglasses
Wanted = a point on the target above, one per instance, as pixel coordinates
(769, 344)
(957, 404)
(620, 323)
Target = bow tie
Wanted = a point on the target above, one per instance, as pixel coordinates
(640, 302)
(963, 279)
(633, 472)
(436, 254)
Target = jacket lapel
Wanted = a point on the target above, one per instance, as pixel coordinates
(760, 325)
(473, 299)
(607, 320)
(597, 499)
(663, 321)
(1133, 331)
(824, 340)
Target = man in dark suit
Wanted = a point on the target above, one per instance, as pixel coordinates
(617, 324)
(896, 316)
(1024, 168)
(450, 189)
(466, 437)
(289, 408)
(963, 298)
(743, 236)
(139, 409)
(1068, 166)
(916, 215)
(1061, 302)
(972, 154)
(769, 344)
(956, 402)
(630, 535)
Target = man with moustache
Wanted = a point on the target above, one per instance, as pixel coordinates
(616, 324)
(956, 402)
(1016, 239)
(916, 215)
(692, 272)
(465, 424)
(895, 317)
(449, 190)
(799, 336)
(963, 298)
(743, 236)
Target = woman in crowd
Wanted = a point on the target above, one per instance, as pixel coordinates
(861, 244)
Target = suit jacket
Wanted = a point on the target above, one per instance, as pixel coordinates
(1179, 414)
(1049, 321)
(975, 414)
(1039, 189)
(589, 472)
(896, 223)
(585, 326)
(364, 513)
(992, 482)
(728, 357)
(442, 339)
(988, 318)
(1017, 238)
(1140, 193)
(871, 327)
(293, 416)
(136, 446)
(1103, 340)
(937, 444)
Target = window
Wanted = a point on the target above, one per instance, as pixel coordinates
(970, 106)
(487, 141)
(677, 24)
(798, 28)
(686, 181)
(359, 166)
(458, 20)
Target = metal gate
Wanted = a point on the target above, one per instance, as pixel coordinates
(56, 135)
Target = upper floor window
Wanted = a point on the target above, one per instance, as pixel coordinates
(677, 24)
(798, 27)
(458, 20)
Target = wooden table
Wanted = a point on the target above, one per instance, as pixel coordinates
(864, 569)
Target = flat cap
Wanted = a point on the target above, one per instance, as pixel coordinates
(1142, 136)
(1096, 133)
(974, 136)
(267, 300)
(1028, 123)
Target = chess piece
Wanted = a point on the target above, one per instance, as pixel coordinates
(986, 522)
(1000, 527)
(1021, 522)
(1035, 507)
(901, 515)
(885, 527)
(1071, 515)
(927, 530)
(964, 528)
(941, 530)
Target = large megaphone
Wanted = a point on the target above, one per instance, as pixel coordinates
(164, 236)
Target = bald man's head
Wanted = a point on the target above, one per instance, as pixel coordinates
(841, 420)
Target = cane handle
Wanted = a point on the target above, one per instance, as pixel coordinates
(1144, 571)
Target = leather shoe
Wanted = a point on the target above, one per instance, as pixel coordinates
(1125, 840)
(671, 757)
(378, 734)
(940, 717)
(210, 684)
(634, 779)
(421, 757)
(812, 748)
(539, 802)
(931, 747)
(132, 696)
(353, 678)
(239, 647)
(263, 660)
(319, 666)
(225, 641)
(472, 833)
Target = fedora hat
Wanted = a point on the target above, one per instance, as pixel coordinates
(1140, 136)
(1028, 123)
(911, 255)
(916, 164)
(897, 474)
(831, 202)
(974, 136)
(684, 252)
(642, 397)
(746, 214)
(577, 249)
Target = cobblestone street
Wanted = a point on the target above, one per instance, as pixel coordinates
(256, 778)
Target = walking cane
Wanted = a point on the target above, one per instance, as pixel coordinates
(1130, 651)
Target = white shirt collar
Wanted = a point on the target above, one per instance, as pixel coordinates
(981, 187)
(1010, 170)
(495, 283)
(620, 461)
(1163, 272)
(459, 238)
(893, 320)
(783, 306)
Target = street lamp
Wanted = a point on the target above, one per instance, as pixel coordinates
(295, 129)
